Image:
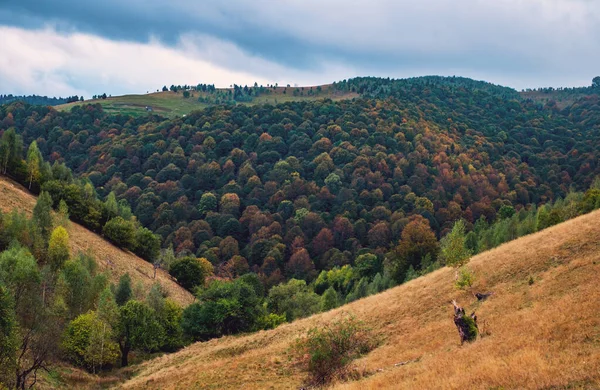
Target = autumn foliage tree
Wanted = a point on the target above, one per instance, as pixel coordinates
(418, 241)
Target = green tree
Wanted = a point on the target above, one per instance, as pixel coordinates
(506, 211)
(169, 318)
(19, 272)
(367, 265)
(8, 337)
(454, 251)
(329, 299)
(108, 310)
(294, 299)
(34, 161)
(111, 206)
(147, 244)
(62, 216)
(123, 291)
(58, 248)
(42, 214)
(189, 272)
(88, 342)
(81, 284)
(120, 232)
(208, 202)
(11, 149)
(223, 308)
(39, 324)
(596, 82)
(138, 329)
(333, 182)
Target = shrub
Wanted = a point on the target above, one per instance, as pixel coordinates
(270, 321)
(464, 279)
(472, 330)
(293, 299)
(189, 272)
(326, 351)
(120, 232)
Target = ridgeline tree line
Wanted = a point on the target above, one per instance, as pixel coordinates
(39, 100)
(272, 213)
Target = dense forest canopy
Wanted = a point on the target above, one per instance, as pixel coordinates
(305, 186)
(270, 213)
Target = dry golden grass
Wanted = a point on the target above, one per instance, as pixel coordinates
(541, 336)
(110, 258)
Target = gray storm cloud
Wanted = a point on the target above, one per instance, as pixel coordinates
(513, 42)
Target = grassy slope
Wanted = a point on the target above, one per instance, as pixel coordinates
(545, 335)
(563, 99)
(110, 258)
(172, 104)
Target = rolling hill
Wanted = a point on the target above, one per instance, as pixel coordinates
(172, 104)
(110, 258)
(541, 328)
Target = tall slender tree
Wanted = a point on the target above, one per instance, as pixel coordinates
(34, 160)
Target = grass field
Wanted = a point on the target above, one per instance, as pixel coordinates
(540, 335)
(110, 258)
(171, 104)
(563, 99)
(168, 104)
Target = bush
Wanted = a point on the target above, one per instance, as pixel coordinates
(293, 299)
(120, 232)
(189, 272)
(465, 278)
(472, 330)
(326, 351)
(270, 321)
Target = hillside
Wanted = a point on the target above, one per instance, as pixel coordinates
(172, 104)
(116, 261)
(544, 335)
(329, 180)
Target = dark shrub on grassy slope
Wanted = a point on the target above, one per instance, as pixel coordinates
(188, 272)
(326, 351)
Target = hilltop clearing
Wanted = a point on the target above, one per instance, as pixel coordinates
(541, 328)
(176, 104)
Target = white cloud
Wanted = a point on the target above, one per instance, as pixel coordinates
(518, 43)
(45, 62)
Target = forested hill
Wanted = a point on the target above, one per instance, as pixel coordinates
(39, 100)
(291, 189)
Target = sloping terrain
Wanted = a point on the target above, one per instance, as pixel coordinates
(171, 104)
(108, 256)
(542, 327)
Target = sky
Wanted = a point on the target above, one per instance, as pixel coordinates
(66, 47)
